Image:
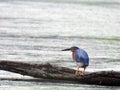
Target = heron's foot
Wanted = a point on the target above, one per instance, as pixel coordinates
(76, 73)
(82, 73)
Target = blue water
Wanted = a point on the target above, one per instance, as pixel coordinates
(37, 30)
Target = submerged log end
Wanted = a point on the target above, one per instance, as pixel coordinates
(109, 78)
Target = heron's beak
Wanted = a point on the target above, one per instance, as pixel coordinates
(68, 49)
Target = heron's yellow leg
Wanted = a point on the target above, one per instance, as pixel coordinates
(83, 72)
(77, 70)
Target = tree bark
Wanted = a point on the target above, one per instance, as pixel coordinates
(53, 72)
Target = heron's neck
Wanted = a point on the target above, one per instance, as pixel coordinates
(73, 55)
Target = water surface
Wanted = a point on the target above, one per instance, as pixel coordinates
(37, 31)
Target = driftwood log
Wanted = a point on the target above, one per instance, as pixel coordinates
(52, 72)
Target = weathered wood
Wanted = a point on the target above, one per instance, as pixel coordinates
(48, 71)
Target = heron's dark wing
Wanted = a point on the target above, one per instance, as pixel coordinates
(82, 57)
(79, 59)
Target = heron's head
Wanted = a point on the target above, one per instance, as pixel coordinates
(74, 48)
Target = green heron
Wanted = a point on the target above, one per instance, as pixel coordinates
(81, 58)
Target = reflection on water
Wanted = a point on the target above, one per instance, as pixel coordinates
(37, 31)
